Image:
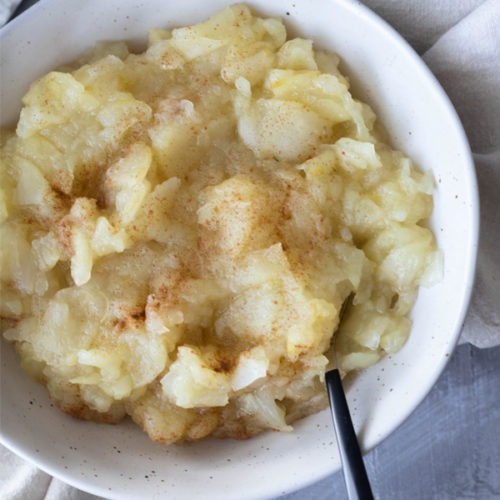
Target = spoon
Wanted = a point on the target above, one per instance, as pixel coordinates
(355, 477)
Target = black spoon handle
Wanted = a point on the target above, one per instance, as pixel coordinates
(356, 479)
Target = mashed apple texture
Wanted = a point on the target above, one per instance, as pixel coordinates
(180, 229)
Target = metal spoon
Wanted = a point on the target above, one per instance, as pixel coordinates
(355, 477)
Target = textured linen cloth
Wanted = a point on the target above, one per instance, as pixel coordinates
(7, 8)
(460, 41)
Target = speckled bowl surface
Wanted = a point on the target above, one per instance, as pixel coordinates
(120, 461)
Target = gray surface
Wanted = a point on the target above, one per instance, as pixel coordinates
(449, 448)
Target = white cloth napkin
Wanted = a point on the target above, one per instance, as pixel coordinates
(466, 60)
(460, 42)
(7, 8)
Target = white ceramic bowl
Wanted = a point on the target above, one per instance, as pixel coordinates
(120, 461)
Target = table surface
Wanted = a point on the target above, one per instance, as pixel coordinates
(449, 448)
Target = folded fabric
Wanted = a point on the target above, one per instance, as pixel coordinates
(466, 61)
(460, 42)
(7, 8)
